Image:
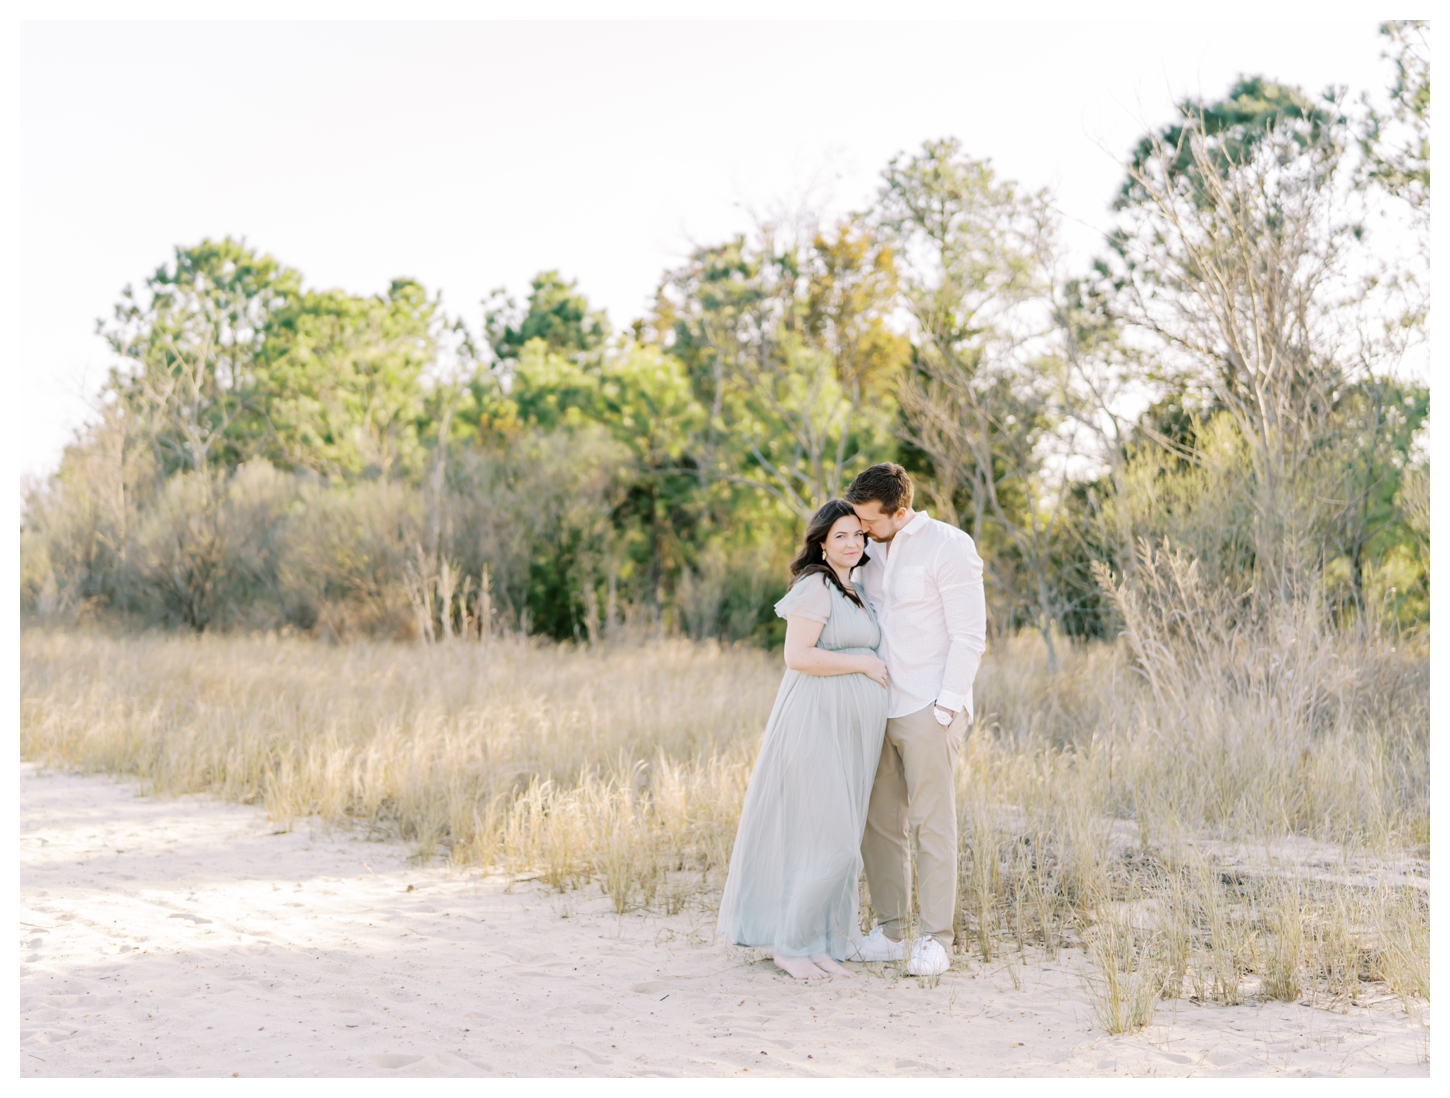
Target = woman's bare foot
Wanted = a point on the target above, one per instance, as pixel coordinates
(829, 965)
(799, 967)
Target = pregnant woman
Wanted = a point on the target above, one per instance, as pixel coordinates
(792, 883)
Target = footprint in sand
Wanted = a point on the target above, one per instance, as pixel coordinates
(434, 1065)
(1223, 1057)
(393, 1060)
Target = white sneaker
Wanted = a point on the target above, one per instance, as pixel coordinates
(876, 946)
(928, 958)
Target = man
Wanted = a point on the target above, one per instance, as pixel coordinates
(925, 581)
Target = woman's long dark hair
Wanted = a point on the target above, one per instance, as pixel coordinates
(812, 557)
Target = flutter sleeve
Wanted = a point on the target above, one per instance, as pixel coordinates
(807, 599)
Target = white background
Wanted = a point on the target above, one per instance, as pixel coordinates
(472, 155)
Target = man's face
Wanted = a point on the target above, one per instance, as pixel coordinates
(880, 525)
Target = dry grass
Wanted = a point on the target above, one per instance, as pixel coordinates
(1250, 825)
(616, 763)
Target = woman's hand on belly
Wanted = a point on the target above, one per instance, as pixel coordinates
(874, 669)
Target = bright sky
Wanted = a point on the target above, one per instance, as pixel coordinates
(471, 155)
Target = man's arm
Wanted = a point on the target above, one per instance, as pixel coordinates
(964, 606)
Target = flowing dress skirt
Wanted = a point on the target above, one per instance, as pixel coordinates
(792, 886)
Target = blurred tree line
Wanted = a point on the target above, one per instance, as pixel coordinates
(1223, 381)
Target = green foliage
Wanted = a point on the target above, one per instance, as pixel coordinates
(192, 342)
(557, 315)
(786, 343)
(236, 362)
(1397, 145)
(1234, 128)
(1366, 524)
(340, 393)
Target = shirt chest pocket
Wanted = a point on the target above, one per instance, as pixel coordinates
(909, 583)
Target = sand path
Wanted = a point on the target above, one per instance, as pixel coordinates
(186, 937)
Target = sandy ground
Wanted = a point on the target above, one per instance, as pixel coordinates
(187, 937)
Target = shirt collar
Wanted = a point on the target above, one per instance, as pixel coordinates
(915, 525)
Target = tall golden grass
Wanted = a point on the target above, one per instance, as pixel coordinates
(1238, 814)
(611, 762)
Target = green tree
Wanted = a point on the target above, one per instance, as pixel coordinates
(191, 344)
(1230, 130)
(1362, 465)
(642, 399)
(557, 314)
(341, 391)
(787, 344)
(1239, 265)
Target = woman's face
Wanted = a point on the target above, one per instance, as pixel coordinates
(845, 542)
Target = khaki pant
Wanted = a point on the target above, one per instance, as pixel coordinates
(915, 794)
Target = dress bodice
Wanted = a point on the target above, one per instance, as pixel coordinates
(846, 625)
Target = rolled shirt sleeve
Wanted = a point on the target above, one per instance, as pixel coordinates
(964, 607)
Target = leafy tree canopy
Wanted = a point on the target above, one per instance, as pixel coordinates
(557, 314)
(1235, 125)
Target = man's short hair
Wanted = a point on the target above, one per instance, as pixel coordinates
(887, 484)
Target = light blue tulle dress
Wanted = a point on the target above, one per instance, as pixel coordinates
(792, 883)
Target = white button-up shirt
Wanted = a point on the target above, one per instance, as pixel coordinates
(926, 587)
